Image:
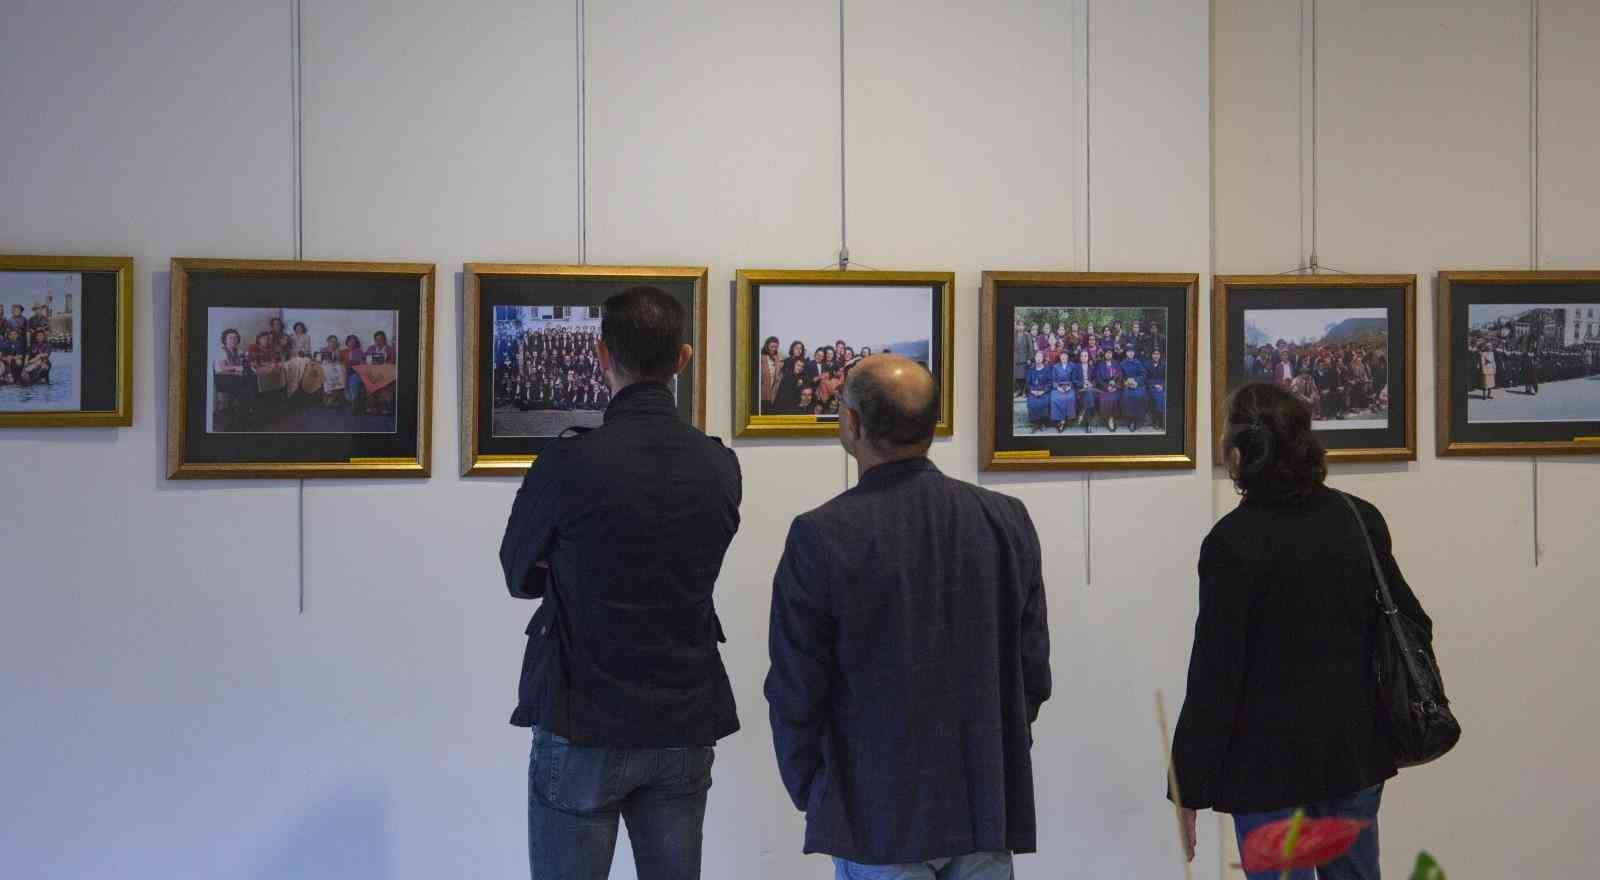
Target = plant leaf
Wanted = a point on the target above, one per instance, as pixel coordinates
(1427, 868)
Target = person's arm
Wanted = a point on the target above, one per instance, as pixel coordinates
(800, 640)
(1216, 672)
(1035, 626)
(531, 528)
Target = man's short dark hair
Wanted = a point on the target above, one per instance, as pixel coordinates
(890, 419)
(643, 329)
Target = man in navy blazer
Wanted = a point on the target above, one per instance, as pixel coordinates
(910, 653)
(621, 531)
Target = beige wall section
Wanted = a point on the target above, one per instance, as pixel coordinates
(1424, 164)
(713, 140)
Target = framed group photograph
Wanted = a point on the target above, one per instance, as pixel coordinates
(1518, 363)
(1344, 344)
(529, 367)
(66, 341)
(1087, 370)
(284, 368)
(799, 332)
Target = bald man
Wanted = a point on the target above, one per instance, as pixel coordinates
(910, 653)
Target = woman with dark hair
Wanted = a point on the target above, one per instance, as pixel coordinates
(771, 365)
(1039, 381)
(1282, 705)
(1108, 385)
(787, 398)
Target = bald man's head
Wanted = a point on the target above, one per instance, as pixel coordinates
(897, 399)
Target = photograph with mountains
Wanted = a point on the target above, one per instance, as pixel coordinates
(1336, 360)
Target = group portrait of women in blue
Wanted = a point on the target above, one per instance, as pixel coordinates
(1080, 369)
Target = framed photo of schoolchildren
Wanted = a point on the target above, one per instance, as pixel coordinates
(799, 332)
(1344, 344)
(1518, 363)
(1087, 370)
(284, 368)
(66, 341)
(529, 368)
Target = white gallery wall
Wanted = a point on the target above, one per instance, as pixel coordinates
(170, 713)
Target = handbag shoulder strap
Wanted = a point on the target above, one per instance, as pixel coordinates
(1385, 601)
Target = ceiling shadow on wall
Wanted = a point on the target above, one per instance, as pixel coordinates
(342, 834)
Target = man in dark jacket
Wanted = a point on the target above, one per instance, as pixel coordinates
(621, 531)
(909, 653)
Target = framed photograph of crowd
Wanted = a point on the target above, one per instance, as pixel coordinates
(529, 368)
(1344, 344)
(798, 333)
(1087, 370)
(1518, 363)
(66, 341)
(283, 368)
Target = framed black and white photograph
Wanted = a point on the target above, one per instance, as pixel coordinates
(800, 332)
(529, 366)
(1087, 370)
(299, 369)
(66, 334)
(1518, 363)
(1344, 344)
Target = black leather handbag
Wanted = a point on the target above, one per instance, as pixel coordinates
(1410, 690)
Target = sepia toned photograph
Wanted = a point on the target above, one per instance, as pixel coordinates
(1335, 360)
(1094, 370)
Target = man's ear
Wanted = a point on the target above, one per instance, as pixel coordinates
(685, 352)
(604, 354)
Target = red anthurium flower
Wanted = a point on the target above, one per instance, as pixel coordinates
(1297, 843)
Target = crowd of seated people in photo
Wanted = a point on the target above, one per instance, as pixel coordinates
(552, 368)
(278, 372)
(1336, 381)
(25, 347)
(805, 381)
(1077, 374)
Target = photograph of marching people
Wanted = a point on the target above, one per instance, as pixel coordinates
(1091, 370)
(303, 371)
(1087, 370)
(546, 373)
(1519, 361)
(38, 342)
(1536, 362)
(295, 369)
(1344, 344)
(1335, 360)
(530, 357)
(65, 341)
(809, 336)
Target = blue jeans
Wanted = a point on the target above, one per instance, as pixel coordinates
(576, 794)
(1360, 862)
(977, 866)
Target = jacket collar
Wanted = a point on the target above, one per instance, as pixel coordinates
(885, 472)
(642, 398)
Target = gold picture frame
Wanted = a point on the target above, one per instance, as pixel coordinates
(119, 414)
(1454, 437)
(1321, 292)
(182, 464)
(475, 461)
(1040, 456)
(748, 283)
